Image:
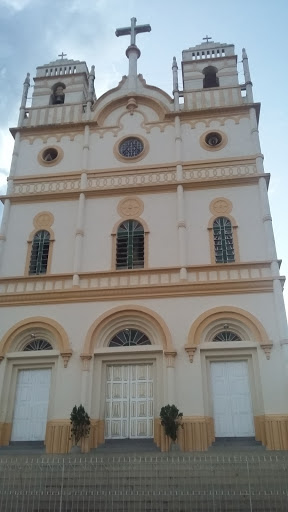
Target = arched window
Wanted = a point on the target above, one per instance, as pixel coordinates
(130, 245)
(39, 252)
(210, 77)
(223, 240)
(227, 336)
(37, 344)
(129, 338)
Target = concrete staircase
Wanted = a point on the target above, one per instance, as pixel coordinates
(235, 476)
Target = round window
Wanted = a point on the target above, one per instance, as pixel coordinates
(49, 154)
(213, 139)
(131, 147)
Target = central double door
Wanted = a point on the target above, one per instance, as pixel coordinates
(129, 401)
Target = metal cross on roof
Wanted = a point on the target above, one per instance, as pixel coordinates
(133, 31)
(207, 38)
(62, 55)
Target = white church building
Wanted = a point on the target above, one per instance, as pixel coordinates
(138, 264)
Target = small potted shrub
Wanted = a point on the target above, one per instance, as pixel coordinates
(80, 425)
(171, 420)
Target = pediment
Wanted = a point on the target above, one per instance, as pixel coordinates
(150, 102)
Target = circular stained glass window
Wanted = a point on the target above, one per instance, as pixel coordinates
(131, 147)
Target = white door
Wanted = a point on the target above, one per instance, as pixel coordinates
(129, 402)
(31, 405)
(233, 415)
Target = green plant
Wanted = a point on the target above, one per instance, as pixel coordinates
(171, 420)
(80, 423)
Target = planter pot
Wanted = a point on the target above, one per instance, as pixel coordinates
(75, 449)
(174, 447)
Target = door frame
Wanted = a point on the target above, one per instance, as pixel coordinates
(97, 392)
(16, 362)
(16, 389)
(232, 355)
(129, 404)
(249, 397)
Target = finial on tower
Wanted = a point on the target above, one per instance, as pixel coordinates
(175, 83)
(133, 53)
(206, 38)
(26, 86)
(27, 79)
(91, 90)
(248, 83)
(132, 31)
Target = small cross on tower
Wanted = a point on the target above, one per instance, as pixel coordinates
(62, 55)
(207, 39)
(133, 31)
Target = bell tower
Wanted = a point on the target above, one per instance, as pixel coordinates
(210, 77)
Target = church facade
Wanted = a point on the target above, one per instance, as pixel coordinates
(138, 263)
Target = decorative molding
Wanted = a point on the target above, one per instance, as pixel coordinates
(220, 206)
(130, 207)
(66, 356)
(271, 430)
(43, 220)
(224, 314)
(141, 317)
(267, 347)
(191, 351)
(58, 333)
(157, 282)
(86, 358)
(170, 358)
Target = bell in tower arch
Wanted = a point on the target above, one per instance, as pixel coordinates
(58, 95)
(210, 77)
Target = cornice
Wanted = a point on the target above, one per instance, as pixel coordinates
(208, 279)
(184, 115)
(144, 188)
(186, 164)
(262, 285)
(214, 111)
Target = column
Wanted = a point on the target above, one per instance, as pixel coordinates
(133, 53)
(85, 381)
(181, 225)
(170, 373)
(79, 233)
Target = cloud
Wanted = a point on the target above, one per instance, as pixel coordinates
(16, 5)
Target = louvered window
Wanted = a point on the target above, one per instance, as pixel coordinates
(223, 240)
(129, 338)
(38, 344)
(130, 245)
(226, 336)
(39, 253)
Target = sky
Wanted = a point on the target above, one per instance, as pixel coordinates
(34, 32)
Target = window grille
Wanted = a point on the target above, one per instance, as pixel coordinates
(130, 245)
(37, 344)
(129, 338)
(226, 336)
(223, 240)
(39, 253)
(131, 147)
